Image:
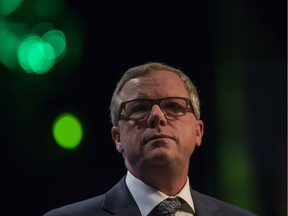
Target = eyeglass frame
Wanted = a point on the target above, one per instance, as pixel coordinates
(155, 102)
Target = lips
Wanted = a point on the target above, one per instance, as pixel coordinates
(157, 136)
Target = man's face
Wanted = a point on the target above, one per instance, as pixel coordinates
(157, 140)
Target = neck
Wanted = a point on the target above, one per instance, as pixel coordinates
(169, 181)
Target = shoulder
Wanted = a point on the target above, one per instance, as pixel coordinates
(83, 208)
(207, 203)
(101, 205)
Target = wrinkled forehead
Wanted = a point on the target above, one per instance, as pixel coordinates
(154, 85)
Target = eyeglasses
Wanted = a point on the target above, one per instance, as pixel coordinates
(140, 108)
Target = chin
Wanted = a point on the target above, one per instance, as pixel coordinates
(161, 156)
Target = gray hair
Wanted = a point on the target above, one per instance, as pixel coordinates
(142, 70)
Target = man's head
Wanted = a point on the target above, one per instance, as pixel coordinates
(142, 70)
(155, 115)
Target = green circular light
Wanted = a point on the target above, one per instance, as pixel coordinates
(57, 40)
(8, 47)
(67, 131)
(36, 55)
(8, 6)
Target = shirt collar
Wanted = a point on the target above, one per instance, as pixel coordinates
(148, 197)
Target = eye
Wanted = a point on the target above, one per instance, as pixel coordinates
(135, 107)
(173, 106)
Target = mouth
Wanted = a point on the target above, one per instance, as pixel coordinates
(157, 137)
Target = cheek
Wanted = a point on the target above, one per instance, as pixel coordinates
(129, 140)
(188, 139)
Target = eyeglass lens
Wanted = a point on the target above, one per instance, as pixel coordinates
(141, 108)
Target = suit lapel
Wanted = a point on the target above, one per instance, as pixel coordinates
(203, 206)
(119, 201)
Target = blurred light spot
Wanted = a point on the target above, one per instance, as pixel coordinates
(57, 40)
(36, 55)
(42, 27)
(48, 9)
(39, 54)
(67, 131)
(8, 47)
(8, 6)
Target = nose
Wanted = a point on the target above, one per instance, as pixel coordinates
(156, 117)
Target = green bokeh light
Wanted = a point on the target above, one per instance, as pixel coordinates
(67, 131)
(20, 20)
(57, 40)
(8, 6)
(36, 55)
(39, 54)
(8, 47)
(48, 9)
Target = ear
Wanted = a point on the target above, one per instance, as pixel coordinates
(199, 132)
(116, 138)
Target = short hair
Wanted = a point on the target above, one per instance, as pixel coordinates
(148, 68)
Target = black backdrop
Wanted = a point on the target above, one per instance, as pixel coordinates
(37, 175)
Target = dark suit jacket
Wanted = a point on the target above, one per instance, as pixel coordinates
(119, 201)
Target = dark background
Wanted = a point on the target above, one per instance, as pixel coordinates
(234, 51)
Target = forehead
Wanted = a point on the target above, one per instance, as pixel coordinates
(155, 85)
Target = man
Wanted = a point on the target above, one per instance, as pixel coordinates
(156, 126)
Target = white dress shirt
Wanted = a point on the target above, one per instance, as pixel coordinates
(148, 197)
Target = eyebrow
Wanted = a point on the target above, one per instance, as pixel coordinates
(142, 95)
